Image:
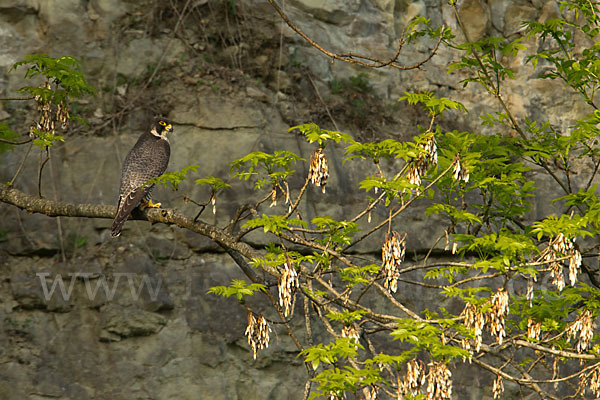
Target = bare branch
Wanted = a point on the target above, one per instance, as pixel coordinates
(16, 98)
(506, 376)
(15, 143)
(560, 353)
(12, 181)
(403, 207)
(352, 58)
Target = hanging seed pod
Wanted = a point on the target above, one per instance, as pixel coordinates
(563, 246)
(595, 382)
(574, 264)
(273, 197)
(413, 380)
(288, 283)
(496, 314)
(559, 247)
(318, 172)
(582, 328)
(288, 201)
(473, 319)
(498, 387)
(287, 194)
(370, 393)
(413, 175)
(258, 332)
(62, 114)
(460, 172)
(426, 159)
(392, 254)
(46, 121)
(533, 329)
(350, 331)
(530, 292)
(558, 279)
(439, 382)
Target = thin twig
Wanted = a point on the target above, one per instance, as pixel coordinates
(130, 104)
(357, 58)
(12, 181)
(495, 91)
(560, 353)
(61, 239)
(506, 376)
(15, 143)
(41, 168)
(402, 208)
(314, 85)
(16, 98)
(592, 175)
(247, 269)
(396, 303)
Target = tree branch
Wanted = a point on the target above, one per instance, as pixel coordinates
(15, 143)
(560, 353)
(352, 58)
(52, 208)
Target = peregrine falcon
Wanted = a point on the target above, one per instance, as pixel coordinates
(147, 159)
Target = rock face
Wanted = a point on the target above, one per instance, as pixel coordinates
(108, 343)
(475, 14)
(131, 318)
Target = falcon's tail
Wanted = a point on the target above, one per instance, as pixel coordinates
(125, 207)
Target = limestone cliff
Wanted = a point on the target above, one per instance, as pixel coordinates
(233, 78)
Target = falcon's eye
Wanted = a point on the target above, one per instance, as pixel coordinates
(163, 123)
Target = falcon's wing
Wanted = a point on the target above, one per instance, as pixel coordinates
(126, 205)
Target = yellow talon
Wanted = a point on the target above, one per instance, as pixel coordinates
(150, 204)
(153, 205)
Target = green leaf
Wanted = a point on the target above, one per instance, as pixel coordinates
(355, 275)
(387, 149)
(45, 139)
(216, 184)
(345, 315)
(434, 105)
(65, 72)
(274, 223)
(425, 336)
(173, 179)
(339, 233)
(270, 168)
(342, 348)
(570, 226)
(314, 133)
(7, 134)
(238, 288)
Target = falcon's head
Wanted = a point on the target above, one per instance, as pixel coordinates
(161, 127)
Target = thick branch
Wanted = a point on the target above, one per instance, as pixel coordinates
(51, 208)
